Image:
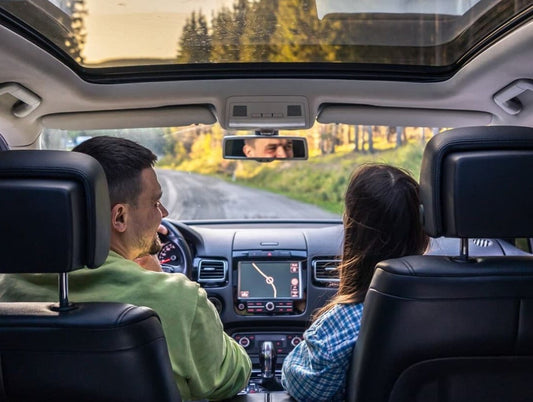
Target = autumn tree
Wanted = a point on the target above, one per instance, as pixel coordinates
(356, 138)
(76, 37)
(369, 141)
(327, 138)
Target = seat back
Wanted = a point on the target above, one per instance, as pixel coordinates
(456, 328)
(55, 218)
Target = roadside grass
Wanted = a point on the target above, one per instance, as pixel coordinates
(322, 180)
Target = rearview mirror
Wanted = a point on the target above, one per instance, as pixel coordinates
(264, 148)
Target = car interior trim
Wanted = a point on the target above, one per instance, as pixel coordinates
(167, 116)
(365, 114)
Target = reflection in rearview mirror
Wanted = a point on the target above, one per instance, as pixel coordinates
(264, 148)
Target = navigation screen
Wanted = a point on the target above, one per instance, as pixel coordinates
(269, 280)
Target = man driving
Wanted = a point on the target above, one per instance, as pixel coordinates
(206, 362)
(269, 147)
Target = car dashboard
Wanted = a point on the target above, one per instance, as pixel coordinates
(266, 279)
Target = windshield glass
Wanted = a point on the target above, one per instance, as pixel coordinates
(101, 34)
(198, 184)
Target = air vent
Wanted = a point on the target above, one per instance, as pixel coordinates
(212, 271)
(325, 271)
(482, 242)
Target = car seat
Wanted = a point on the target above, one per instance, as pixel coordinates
(457, 328)
(55, 218)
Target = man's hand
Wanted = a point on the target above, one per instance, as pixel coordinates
(162, 229)
(149, 262)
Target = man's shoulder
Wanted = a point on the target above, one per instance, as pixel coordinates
(118, 264)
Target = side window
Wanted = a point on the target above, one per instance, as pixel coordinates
(523, 244)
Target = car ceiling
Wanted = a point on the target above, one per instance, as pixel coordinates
(464, 99)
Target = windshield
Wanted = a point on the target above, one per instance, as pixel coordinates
(198, 184)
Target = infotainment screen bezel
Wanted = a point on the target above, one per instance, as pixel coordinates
(270, 262)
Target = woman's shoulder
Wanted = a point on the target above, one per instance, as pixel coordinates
(335, 332)
(339, 317)
(343, 312)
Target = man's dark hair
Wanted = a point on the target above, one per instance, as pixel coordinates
(123, 161)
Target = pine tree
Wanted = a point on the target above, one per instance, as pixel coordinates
(223, 49)
(195, 43)
(228, 26)
(259, 26)
(300, 36)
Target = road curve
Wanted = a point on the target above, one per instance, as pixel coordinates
(190, 196)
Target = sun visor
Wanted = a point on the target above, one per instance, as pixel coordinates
(390, 116)
(170, 116)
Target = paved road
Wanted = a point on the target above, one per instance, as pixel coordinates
(189, 196)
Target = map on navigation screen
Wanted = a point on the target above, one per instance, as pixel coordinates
(269, 280)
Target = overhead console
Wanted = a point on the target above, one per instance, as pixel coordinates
(269, 273)
(277, 112)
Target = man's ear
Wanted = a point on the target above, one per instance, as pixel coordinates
(119, 217)
(247, 150)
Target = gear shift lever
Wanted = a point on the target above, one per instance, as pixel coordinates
(267, 361)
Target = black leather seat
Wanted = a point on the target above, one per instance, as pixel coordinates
(439, 328)
(55, 218)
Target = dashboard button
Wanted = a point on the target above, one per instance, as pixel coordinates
(270, 306)
(296, 340)
(244, 342)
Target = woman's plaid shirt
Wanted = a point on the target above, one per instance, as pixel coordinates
(316, 369)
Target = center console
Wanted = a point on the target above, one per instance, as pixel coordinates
(268, 286)
(269, 279)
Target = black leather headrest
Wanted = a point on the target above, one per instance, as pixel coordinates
(476, 182)
(54, 212)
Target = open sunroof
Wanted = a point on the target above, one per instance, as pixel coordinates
(103, 34)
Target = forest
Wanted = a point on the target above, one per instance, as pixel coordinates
(334, 151)
(291, 31)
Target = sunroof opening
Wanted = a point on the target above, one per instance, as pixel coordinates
(128, 33)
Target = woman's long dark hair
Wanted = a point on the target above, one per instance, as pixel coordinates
(381, 221)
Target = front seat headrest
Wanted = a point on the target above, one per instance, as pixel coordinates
(474, 182)
(54, 212)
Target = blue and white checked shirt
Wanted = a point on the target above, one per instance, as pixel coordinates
(316, 369)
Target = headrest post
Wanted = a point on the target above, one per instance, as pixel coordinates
(64, 304)
(464, 249)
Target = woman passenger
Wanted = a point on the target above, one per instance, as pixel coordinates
(381, 221)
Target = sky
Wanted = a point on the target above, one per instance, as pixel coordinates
(139, 28)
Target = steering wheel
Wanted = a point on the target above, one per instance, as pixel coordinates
(175, 255)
